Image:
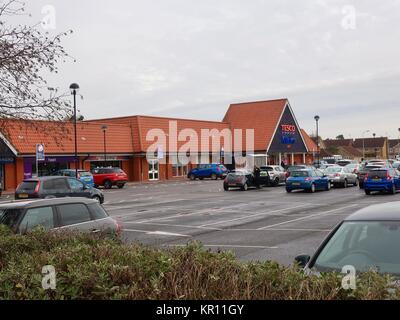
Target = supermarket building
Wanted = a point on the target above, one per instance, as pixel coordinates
(270, 125)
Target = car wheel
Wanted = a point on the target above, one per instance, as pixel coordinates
(226, 188)
(276, 182)
(245, 187)
(356, 183)
(345, 184)
(107, 184)
(214, 176)
(97, 198)
(367, 192)
(120, 186)
(312, 189)
(288, 190)
(328, 187)
(393, 191)
(192, 177)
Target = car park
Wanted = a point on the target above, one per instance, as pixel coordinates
(308, 180)
(383, 180)
(367, 240)
(341, 176)
(83, 175)
(56, 187)
(109, 177)
(58, 214)
(276, 174)
(244, 179)
(212, 171)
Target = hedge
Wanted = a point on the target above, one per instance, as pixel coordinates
(95, 267)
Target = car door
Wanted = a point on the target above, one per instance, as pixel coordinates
(396, 178)
(55, 188)
(319, 181)
(76, 216)
(78, 188)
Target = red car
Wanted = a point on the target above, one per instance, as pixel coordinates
(109, 177)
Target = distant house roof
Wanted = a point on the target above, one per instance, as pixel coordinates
(370, 142)
(349, 151)
(393, 142)
(329, 143)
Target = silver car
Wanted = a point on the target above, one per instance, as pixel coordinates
(276, 174)
(341, 176)
(76, 214)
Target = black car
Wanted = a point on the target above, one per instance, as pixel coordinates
(244, 179)
(367, 239)
(56, 187)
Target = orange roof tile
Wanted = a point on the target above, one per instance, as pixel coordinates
(58, 137)
(262, 116)
(310, 144)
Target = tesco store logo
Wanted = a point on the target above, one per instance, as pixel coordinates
(288, 128)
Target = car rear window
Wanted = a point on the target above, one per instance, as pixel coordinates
(98, 211)
(299, 174)
(378, 174)
(117, 170)
(85, 174)
(333, 170)
(27, 186)
(10, 217)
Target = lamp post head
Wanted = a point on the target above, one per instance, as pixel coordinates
(104, 128)
(316, 118)
(74, 88)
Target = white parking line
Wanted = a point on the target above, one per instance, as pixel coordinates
(172, 225)
(142, 205)
(282, 229)
(307, 217)
(225, 246)
(253, 215)
(158, 233)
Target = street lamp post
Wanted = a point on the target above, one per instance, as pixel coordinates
(316, 121)
(104, 128)
(366, 131)
(74, 90)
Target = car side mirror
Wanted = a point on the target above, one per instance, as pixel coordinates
(302, 260)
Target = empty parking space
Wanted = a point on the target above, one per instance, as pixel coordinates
(255, 225)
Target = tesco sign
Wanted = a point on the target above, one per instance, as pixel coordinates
(288, 128)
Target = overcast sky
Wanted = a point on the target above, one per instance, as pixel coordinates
(191, 59)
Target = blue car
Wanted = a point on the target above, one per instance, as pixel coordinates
(213, 171)
(308, 179)
(85, 176)
(382, 179)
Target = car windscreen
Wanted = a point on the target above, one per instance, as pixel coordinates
(333, 170)
(300, 174)
(10, 217)
(364, 245)
(28, 186)
(115, 170)
(378, 174)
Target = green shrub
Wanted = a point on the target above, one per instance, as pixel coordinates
(94, 267)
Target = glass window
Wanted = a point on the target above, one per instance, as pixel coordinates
(97, 211)
(364, 245)
(55, 184)
(37, 217)
(299, 174)
(73, 213)
(28, 186)
(75, 185)
(10, 217)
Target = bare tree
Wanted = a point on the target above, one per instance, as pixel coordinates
(26, 52)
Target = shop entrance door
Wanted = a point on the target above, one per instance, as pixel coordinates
(154, 170)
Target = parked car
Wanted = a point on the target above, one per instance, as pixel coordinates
(307, 179)
(363, 171)
(396, 165)
(341, 176)
(276, 174)
(367, 239)
(345, 162)
(379, 162)
(320, 165)
(354, 167)
(383, 179)
(296, 167)
(109, 177)
(58, 214)
(213, 171)
(83, 175)
(245, 179)
(56, 187)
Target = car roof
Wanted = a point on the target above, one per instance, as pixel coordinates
(44, 202)
(378, 212)
(45, 178)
